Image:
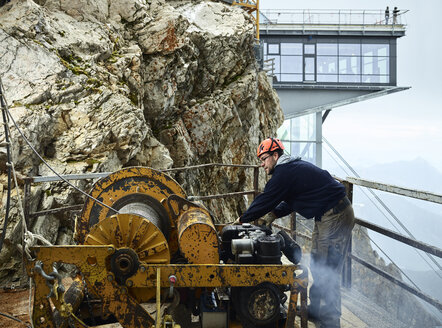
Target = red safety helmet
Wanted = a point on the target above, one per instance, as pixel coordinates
(269, 144)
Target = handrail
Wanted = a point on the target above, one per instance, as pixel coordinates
(398, 282)
(50, 178)
(362, 17)
(423, 195)
(404, 239)
(433, 250)
(418, 194)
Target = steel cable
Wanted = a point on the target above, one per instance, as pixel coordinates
(8, 161)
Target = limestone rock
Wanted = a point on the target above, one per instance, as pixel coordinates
(97, 86)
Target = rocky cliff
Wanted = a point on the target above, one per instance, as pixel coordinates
(100, 85)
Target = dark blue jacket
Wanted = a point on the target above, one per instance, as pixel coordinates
(296, 186)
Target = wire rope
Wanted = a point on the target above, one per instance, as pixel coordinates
(14, 318)
(8, 161)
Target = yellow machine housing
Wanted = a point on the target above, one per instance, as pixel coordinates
(148, 243)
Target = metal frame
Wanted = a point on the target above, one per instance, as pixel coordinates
(360, 41)
(91, 260)
(380, 93)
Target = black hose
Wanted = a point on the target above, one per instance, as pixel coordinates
(8, 164)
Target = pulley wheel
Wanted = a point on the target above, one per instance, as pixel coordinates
(137, 233)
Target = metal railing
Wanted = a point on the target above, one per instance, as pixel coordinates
(422, 195)
(269, 67)
(331, 17)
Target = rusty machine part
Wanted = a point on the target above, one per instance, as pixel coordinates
(158, 243)
(135, 190)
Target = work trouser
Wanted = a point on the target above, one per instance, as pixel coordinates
(330, 242)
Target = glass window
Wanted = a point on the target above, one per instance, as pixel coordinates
(375, 65)
(309, 49)
(307, 150)
(349, 65)
(327, 64)
(375, 79)
(291, 77)
(349, 49)
(265, 48)
(274, 49)
(291, 48)
(309, 65)
(383, 65)
(384, 79)
(291, 64)
(368, 65)
(376, 49)
(284, 131)
(350, 78)
(327, 49)
(327, 78)
(304, 127)
(295, 132)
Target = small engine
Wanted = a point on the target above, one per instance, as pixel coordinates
(251, 244)
(261, 305)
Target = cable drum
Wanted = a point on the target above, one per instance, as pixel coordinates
(146, 207)
(135, 190)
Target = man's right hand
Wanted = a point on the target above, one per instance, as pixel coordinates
(237, 221)
(267, 219)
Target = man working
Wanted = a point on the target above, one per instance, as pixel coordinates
(302, 187)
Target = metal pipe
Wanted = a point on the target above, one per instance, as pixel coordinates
(412, 242)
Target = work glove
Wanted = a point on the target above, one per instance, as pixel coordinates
(267, 219)
(237, 221)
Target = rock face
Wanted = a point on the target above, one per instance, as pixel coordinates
(100, 85)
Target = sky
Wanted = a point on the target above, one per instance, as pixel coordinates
(404, 125)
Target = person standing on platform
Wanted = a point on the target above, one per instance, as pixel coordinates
(299, 186)
(395, 13)
(387, 15)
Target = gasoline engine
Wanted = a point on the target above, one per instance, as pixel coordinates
(148, 257)
(261, 305)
